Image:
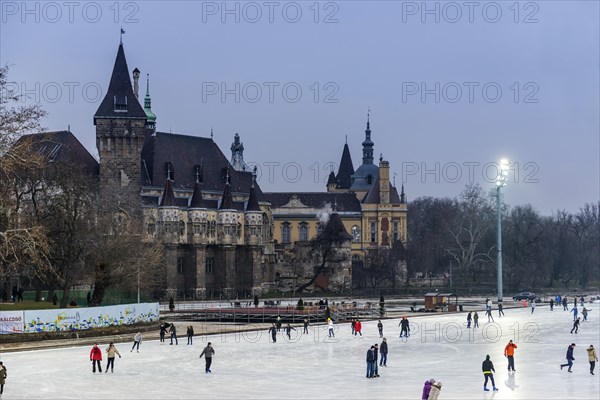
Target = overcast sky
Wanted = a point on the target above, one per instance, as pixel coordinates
(453, 87)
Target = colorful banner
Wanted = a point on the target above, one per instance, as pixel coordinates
(11, 322)
(72, 319)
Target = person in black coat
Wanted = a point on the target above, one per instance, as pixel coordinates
(383, 349)
(190, 335)
(404, 327)
(288, 331)
(273, 332)
(575, 326)
(488, 372)
(305, 325)
(380, 328)
(173, 332)
(375, 359)
(570, 357)
(370, 362)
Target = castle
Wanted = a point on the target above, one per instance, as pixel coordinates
(221, 234)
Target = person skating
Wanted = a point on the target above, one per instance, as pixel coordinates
(532, 306)
(173, 332)
(500, 310)
(475, 320)
(509, 352)
(404, 327)
(111, 350)
(330, 326)
(305, 325)
(353, 325)
(190, 335)
(163, 331)
(383, 349)
(575, 312)
(564, 303)
(370, 362)
(427, 389)
(584, 312)
(592, 358)
(581, 300)
(436, 387)
(380, 328)
(208, 353)
(376, 356)
(575, 326)
(488, 372)
(3, 376)
(551, 304)
(489, 314)
(273, 332)
(278, 323)
(96, 358)
(469, 319)
(137, 339)
(288, 331)
(570, 357)
(357, 328)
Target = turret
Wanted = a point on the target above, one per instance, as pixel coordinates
(253, 218)
(169, 216)
(384, 181)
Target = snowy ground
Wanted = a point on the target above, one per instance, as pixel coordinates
(312, 366)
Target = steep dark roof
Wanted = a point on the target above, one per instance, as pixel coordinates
(253, 201)
(331, 179)
(346, 170)
(227, 200)
(345, 202)
(168, 197)
(61, 147)
(373, 196)
(185, 153)
(335, 229)
(197, 200)
(121, 92)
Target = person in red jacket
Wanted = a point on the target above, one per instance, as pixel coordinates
(509, 352)
(96, 357)
(357, 328)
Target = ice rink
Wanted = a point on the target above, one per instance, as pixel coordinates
(248, 365)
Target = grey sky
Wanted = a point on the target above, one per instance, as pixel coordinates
(378, 55)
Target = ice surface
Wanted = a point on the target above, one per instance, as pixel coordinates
(313, 366)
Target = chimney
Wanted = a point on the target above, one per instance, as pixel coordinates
(384, 182)
(136, 86)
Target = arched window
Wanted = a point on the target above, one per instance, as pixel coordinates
(303, 232)
(285, 233)
(355, 234)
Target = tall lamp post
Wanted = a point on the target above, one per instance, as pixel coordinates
(501, 181)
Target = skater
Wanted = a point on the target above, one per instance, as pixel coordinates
(580, 300)
(357, 328)
(190, 335)
(305, 325)
(173, 332)
(3, 375)
(584, 312)
(353, 325)
(96, 357)
(278, 323)
(551, 304)
(427, 389)
(380, 328)
(370, 362)
(575, 326)
(564, 303)
(405, 328)
(137, 339)
(376, 359)
(208, 353)
(575, 312)
(509, 352)
(500, 310)
(488, 372)
(592, 358)
(436, 387)
(163, 330)
(383, 349)
(111, 350)
(488, 304)
(475, 320)
(489, 314)
(330, 326)
(469, 318)
(532, 306)
(570, 357)
(288, 331)
(273, 332)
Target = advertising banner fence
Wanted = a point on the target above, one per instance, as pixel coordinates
(11, 322)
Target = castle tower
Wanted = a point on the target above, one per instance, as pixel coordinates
(170, 230)
(120, 132)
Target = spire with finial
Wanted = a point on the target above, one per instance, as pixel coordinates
(368, 143)
(211, 132)
(402, 195)
(150, 116)
(121, 37)
(227, 199)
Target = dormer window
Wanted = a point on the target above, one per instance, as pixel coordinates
(169, 171)
(198, 174)
(120, 104)
(369, 179)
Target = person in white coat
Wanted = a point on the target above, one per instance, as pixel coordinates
(435, 390)
(137, 339)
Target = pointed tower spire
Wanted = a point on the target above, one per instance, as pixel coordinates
(368, 143)
(150, 116)
(168, 197)
(346, 169)
(253, 198)
(402, 195)
(227, 199)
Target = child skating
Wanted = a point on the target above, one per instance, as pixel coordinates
(488, 372)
